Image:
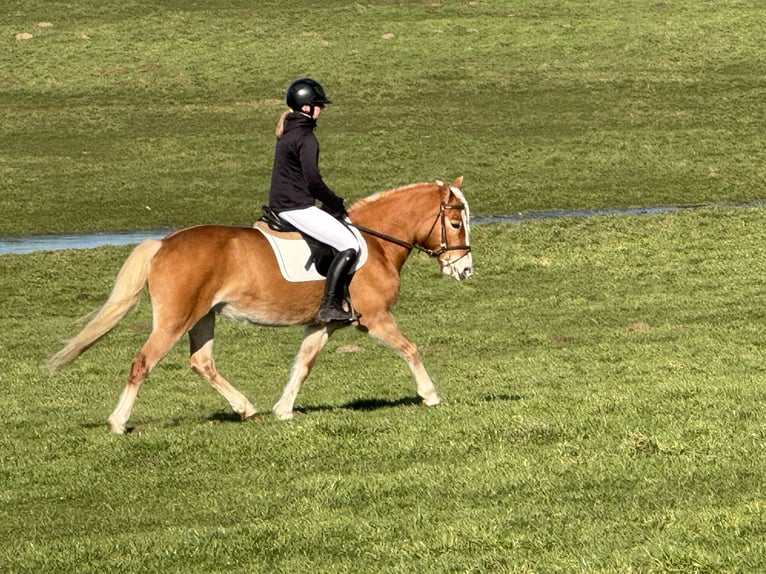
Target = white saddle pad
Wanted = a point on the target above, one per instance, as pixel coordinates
(293, 255)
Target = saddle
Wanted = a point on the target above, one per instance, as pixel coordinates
(320, 255)
(274, 222)
(281, 235)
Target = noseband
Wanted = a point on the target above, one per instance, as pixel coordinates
(443, 247)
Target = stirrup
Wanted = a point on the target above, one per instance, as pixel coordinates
(335, 313)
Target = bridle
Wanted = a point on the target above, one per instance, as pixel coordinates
(443, 247)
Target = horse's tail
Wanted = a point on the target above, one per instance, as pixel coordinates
(125, 295)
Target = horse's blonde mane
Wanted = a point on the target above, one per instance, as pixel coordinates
(466, 210)
(404, 188)
(383, 194)
(457, 192)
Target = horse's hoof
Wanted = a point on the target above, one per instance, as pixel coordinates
(247, 413)
(432, 401)
(116, 427)
(283, 416)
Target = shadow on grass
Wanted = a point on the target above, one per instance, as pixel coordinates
(365, 404)
(499, 397)
(376, 404)
(355, 405)
(361, 405)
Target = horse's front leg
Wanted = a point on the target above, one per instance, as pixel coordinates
(315, 337)
(384, 328)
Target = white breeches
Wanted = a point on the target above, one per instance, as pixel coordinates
(321, 226)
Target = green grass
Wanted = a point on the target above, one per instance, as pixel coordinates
(603, 378)
(603, 412)
(161, 114)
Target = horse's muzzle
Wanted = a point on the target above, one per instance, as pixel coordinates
(460, 269)
(465, 273)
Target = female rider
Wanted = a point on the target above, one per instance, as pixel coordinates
(296, 185)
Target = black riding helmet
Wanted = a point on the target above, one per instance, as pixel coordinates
(306, 92)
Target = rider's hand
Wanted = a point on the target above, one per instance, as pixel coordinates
(337, 210)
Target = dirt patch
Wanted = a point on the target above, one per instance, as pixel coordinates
(637, 326)
(349, 349)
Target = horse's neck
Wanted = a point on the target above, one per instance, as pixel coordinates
(403, 213)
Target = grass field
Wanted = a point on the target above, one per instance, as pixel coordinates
(161, 114)
(603, 377)
(604, 412)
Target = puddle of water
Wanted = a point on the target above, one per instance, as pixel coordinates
(579, 213)
(32, 243)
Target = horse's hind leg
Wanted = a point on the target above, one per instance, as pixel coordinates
(201, 361)
(385, 329)
(314, 339)
(156, 347)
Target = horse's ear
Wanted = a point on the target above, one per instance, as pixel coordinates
(458, 183)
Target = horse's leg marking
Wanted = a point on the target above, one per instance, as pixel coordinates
(314, 339)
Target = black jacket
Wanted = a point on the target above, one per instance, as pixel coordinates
(295, 179)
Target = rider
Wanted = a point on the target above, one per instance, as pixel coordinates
(296, 185)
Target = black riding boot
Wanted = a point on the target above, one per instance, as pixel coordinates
(338, 278)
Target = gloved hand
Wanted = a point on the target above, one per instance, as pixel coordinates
(336, 209)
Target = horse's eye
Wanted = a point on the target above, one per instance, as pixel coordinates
(456, 224)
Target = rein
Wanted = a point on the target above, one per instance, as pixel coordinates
(443, 247)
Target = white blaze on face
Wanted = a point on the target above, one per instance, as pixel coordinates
(460, 266)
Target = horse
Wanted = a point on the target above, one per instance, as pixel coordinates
(197, 273)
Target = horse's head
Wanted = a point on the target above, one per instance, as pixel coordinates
(452, 232)
(432, 218)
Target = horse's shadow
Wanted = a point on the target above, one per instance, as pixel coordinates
(355, 405)
(364, 404)
(375, 404)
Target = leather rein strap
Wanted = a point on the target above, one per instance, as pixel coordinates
(443, 247)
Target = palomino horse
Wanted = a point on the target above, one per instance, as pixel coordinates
(198, 272)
